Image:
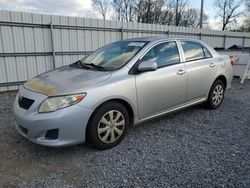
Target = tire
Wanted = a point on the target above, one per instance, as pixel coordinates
(104, 133)
(216, 95)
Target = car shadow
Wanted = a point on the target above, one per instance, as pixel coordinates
(171, 115)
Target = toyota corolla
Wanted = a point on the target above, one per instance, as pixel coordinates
(123, 83)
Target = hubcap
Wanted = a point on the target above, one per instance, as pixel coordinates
(111, 126)
(217, 94)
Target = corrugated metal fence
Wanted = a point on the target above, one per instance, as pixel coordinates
(34, 43)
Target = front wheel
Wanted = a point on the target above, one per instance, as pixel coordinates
(216, 95)
(108, 125)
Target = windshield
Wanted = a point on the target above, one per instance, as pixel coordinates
(114, 55)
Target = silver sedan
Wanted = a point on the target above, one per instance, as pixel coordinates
(123, 83)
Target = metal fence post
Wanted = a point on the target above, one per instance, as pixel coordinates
(225, 40)
(200, 35)
(244, 41)
(52, 46)
(122, 33)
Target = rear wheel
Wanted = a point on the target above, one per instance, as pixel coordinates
(216, 95)
(108, 125)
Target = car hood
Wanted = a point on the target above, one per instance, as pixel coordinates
(65, 80)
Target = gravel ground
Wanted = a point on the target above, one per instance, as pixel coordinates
(194, 147)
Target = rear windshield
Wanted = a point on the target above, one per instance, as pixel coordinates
(115, 55)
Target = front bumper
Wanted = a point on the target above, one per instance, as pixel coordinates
(70, 122)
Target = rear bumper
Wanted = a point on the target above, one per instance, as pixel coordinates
(70, 123)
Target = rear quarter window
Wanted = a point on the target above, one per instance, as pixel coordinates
(207, 53)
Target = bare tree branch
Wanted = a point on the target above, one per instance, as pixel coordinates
(228, 11)
(246, 26)
(166, 12)
(180, 6)
(125, 10)
(101, 6)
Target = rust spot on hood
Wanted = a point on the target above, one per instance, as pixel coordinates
(41, 87)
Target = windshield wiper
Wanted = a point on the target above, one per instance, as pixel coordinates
(94, 66)
(82, 64)
(98, 67)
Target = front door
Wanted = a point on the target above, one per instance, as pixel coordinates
(164, 88)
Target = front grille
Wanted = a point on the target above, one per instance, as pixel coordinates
(52, 134)
(25, 102)
(24, 130)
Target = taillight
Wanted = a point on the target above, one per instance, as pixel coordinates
(234, 59)
(232, 63)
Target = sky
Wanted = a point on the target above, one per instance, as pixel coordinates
(83, 8)
(210, 11)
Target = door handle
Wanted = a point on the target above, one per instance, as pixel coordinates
(181, 72)
(212, 65)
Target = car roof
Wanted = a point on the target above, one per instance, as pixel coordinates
(165, 38)
(159, 38)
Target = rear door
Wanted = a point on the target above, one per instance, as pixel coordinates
(200, 69)
(164, 88)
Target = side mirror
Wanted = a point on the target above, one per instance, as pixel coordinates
(147, 66)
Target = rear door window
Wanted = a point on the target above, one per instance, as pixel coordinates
(194, 51)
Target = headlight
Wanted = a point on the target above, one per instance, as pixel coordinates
(55, 103)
